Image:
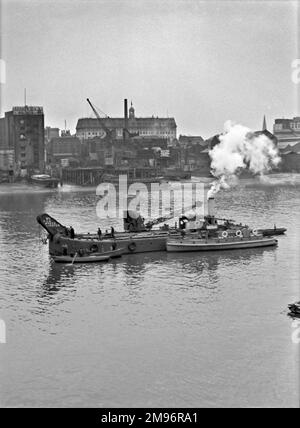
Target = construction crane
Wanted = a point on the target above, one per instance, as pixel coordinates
(108, 131)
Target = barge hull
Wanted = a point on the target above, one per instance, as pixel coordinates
(130, 245)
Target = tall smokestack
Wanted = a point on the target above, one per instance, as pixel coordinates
(125, 118)
(211, 206)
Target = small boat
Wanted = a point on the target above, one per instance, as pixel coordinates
(89, 258)
(272, 232)
(294, 309)
(213, 244)
(83, 259)
(44, 180)
(114, 253)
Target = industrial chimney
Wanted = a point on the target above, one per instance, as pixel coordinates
(125, 119)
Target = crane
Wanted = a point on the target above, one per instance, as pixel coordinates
(108, 131)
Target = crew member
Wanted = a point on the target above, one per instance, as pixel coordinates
(112, 231)
(72, 232)
(99, 233)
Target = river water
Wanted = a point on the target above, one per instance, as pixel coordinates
(154, 329)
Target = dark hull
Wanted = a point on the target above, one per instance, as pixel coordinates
(130, 243)
(272, 232)
(87, 259)
(294, 314)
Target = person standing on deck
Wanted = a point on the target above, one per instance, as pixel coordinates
(99, 233)
(72, 232)
(112, 231)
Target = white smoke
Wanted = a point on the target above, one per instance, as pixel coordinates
(240, 148)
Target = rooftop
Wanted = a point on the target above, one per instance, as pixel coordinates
(31, 110)
(291, 149)
(118, 122)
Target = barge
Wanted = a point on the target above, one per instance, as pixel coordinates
(61, 243)
(139, 237)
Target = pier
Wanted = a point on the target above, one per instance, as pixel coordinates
(90, 176)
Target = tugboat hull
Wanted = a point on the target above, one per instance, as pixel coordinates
(202, 245)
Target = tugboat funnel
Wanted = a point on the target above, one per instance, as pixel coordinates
(211, 206)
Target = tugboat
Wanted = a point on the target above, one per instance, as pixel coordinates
(224, 241)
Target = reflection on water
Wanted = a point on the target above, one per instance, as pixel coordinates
(187, 329)
(194, 267)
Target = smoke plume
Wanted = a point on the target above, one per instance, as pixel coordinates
(240, 148)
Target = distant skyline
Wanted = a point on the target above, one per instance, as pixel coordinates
(202, 62)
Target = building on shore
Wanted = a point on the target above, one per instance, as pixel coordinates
(51, 133)
(290, 158)
(148, 127)
(287, 131)
(24, 135)
(135, 152)
(7, 155)
(64, 150)
(191, 140)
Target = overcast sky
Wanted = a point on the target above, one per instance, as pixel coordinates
(202, 62)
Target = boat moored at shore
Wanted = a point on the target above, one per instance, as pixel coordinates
(44, 180)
